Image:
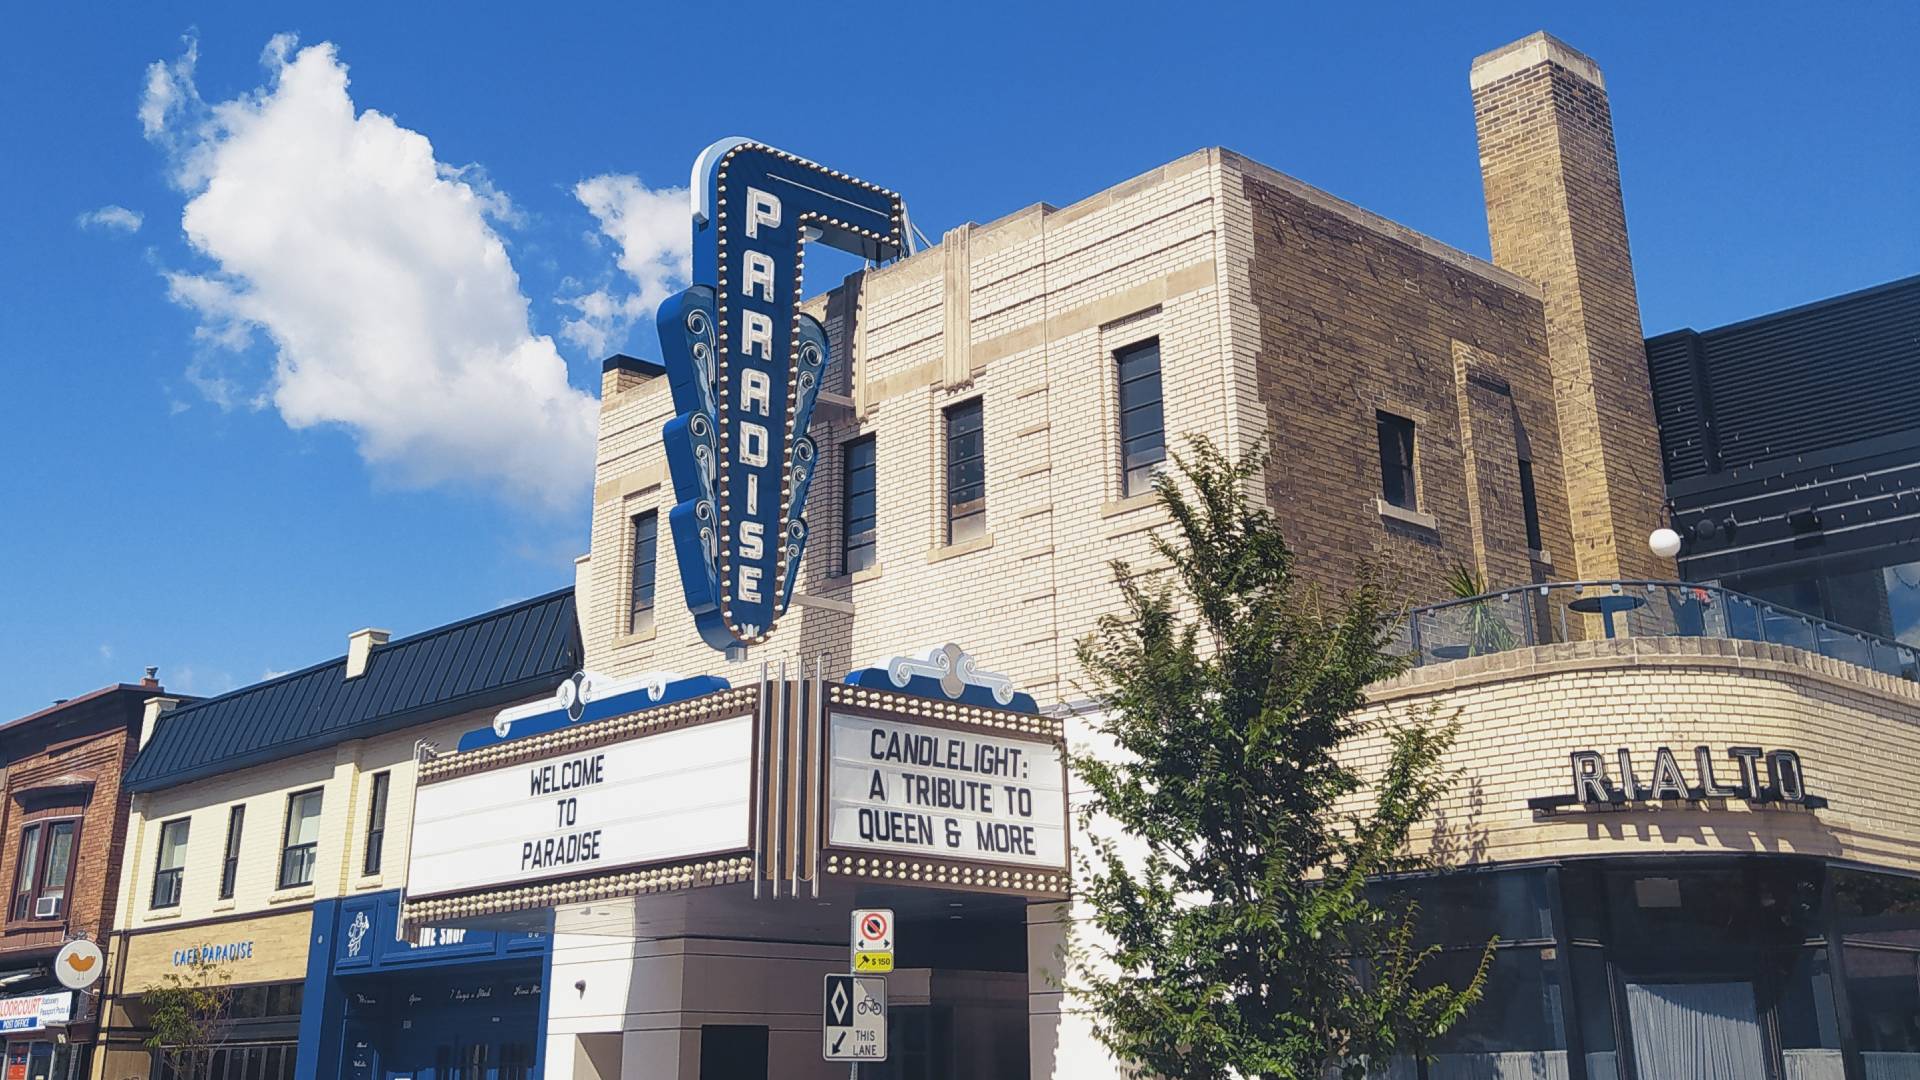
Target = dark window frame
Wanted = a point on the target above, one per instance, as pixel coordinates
(859, 547)
(300, 858)
(39, 887)
(966, 493)
(1142, 449)
(376, 823)
(169, 882)
(1530, 507)
(1399, 440)
(643, 529)
(230, 861)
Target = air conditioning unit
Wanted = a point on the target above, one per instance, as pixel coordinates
(46, 907)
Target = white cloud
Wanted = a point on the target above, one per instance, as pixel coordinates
(374, 271)
(117, 218)
(106, 651)
(655, 238)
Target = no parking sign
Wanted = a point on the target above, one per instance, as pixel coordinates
(873, 940)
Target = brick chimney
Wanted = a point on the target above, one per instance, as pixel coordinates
(360, 646)
(1555, 215)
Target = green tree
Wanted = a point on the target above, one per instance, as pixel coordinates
(190, 1013)
(1237, 933)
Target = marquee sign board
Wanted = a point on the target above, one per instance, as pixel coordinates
(745, 367)
(653, 799)
(946, 792)
(1752, 773)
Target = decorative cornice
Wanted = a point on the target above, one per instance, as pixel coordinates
(911, 705)
(593, 733)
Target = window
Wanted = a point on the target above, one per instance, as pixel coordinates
(1530, 506)
(303, 839)
(646, 549)
(230, 866)
(966, 472)
(1396, 460)
(170, 863)
(44, 872)
(1143, 434)
(376, 824)
(858, 464)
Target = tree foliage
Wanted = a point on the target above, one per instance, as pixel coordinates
(190, 1012)
(1237, 933)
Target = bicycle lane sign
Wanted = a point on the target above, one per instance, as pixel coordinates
(853, 1016)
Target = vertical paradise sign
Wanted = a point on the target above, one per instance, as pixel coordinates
(745, 366)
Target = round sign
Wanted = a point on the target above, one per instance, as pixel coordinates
(873, 927)
(79, 964)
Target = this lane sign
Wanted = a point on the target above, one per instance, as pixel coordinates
(853, 1014)
(873, 940)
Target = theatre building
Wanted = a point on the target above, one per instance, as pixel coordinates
(265, 853)
(982, 450)
(63, 819)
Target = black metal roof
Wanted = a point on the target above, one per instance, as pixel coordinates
(519, 651)
(1807, 379)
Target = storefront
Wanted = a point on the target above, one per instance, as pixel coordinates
(260, 964)
(1699, 857)
(37, 1047)
(435, 1004)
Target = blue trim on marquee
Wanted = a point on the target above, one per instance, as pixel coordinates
(874, 678)
(617, 705)
(745, 367)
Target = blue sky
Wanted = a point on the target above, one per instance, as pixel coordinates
(348, 386)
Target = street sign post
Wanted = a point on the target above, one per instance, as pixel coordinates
(853, 1015)
(873, 940)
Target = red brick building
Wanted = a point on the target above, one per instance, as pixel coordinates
(62, 824)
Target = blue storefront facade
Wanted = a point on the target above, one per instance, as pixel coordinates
(440, 1004)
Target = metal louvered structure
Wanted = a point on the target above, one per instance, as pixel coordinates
(516, 652)
(1791, 444)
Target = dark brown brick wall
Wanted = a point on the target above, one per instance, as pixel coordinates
(1350, 321)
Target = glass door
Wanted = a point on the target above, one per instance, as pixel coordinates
(1699, 1030)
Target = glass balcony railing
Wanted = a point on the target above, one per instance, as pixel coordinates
(1578, 610)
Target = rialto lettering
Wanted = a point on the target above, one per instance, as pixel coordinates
(1752, 773)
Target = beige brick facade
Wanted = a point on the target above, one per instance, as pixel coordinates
(1285, 317)
(343, 773)
(1522, 713)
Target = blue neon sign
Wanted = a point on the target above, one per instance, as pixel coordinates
(745, 366)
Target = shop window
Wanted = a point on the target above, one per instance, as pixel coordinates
(300, 852)
(1143, 428)
(1517, 1028)
(733, 1052)
(861, 514)
(376, 824)
(1883, 993)
(44, 873)
(966, 472)
(170, 863)
(646, 553)
(1469, 908)
(1809, 1029)
(230, 862)
(1397, 487)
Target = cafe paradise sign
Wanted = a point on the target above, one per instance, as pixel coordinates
(745, 366)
